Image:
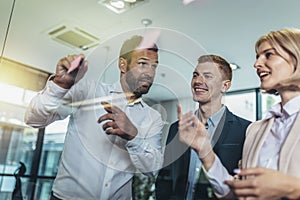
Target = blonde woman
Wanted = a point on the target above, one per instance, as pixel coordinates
(274, 142)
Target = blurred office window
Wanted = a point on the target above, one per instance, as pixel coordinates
(242, 103)
(52, 148)
(18, 142)
(267, 101)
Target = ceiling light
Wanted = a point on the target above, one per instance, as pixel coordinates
(120, 6)
(146, 22)
(117, 4)
(234, 66)
(130, 1)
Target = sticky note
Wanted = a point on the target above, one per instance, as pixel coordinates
(149, 39)
(75, 64)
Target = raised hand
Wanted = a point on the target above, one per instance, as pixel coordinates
(193, 133)
(67, 74)
(118, 123)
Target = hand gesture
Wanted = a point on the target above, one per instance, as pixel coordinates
(193, 133)
(69, 70)
(118, 124)
(263, 183)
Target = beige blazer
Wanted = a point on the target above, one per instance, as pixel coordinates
(289, 158)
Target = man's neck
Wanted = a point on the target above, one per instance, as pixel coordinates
(207, 110)
(131, 97)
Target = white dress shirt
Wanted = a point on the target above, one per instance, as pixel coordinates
(95, 165)
(269, 153)
(284, 119)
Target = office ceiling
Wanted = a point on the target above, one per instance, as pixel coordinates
(225, 27)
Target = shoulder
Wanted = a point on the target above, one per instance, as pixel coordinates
(255, 126)
(174, 127)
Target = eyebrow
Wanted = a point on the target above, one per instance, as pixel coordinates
(195, 72)
(266, 50)
(147, 59)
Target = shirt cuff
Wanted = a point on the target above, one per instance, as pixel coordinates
(216, 175)
(53, 90)
(134, 144)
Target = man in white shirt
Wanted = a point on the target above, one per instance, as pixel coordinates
(109, 141)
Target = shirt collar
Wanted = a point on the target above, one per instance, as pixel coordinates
(290, 108)
(215, 118)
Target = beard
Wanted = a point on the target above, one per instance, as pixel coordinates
(138, 86)
(139, 91)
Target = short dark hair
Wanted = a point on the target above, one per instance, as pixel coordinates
(130, 45)
(223, 65)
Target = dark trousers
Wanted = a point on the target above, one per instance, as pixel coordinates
(204, 192)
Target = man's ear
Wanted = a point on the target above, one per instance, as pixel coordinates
(226, 86)
(123, 65)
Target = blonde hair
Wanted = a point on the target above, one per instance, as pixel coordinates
(287, 40)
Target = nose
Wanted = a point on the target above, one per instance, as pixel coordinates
(148, 74)
(258, 62)
(200, 78)
(149, 71)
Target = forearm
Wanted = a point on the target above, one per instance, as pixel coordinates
(208, 160)
(44, 107)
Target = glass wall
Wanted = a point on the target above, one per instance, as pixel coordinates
(40, 149)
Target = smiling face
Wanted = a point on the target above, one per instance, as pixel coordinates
(272, 67)
(207, 83)
(140, 72)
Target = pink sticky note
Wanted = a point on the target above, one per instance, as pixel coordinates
(149, 39)
(75, 64)
(186, 2)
